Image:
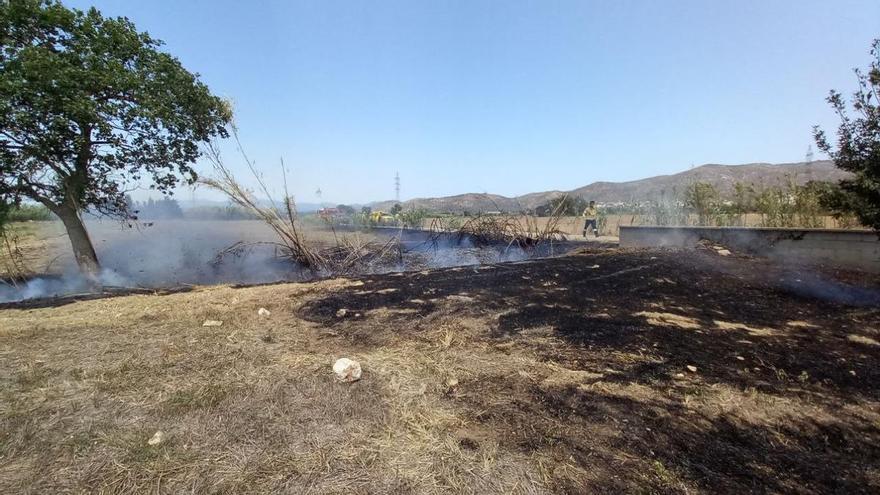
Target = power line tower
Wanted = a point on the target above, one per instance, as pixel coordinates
(809, 157)
(397, 187)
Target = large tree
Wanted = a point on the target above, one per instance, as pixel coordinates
(89, 108)
(858, 146)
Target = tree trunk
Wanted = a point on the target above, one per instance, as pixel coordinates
(83, 250)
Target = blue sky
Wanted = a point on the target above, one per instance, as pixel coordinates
(512, 97)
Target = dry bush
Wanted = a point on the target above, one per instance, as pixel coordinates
(352, 255)
(519, 230)
(522, 230)
(13, 261)
(285, 227)
(345, 257)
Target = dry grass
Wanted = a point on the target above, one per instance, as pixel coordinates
(30, 247)
(241, 415)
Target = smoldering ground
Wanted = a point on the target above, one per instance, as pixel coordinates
(175, 253)
(797, 271)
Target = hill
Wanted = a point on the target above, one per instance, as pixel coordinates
(723, 177)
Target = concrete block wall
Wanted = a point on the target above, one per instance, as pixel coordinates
(858, 249)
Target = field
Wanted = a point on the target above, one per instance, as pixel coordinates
(598, 372)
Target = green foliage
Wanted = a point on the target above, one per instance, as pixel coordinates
(787, 205)
(5, 208)
(414, 218)
(89, 105)
(792, 205)
(776, 207)
(28, 213)
(164, 208)
(22, 213)
(346, 210)
(229, 212)
(808, 203)
(842, 204)
(703, 199)
(565, 206)
(665, 212)
(858, 147)
(397, 208)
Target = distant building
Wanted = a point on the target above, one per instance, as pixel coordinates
(329, 213)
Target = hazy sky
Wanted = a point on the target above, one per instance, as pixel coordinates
(512, 97)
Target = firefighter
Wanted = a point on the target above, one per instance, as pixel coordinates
(590, 215)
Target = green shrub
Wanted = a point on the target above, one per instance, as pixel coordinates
(414, 218)
(26, 213)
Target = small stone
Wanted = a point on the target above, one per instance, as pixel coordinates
(679, 376)
(740, 358)
(340, 313)
(212, 323)
(451, 383)
(347, 370)
(594, 267)
(724, 252)
(692, 368)
(263, 312)
(157, 438)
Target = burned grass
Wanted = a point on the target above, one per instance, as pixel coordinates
(646, 372)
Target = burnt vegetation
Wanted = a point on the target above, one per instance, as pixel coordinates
(775, 364)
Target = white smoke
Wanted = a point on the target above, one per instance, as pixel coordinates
(174, 253)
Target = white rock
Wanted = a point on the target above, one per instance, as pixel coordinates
(724, 252)
(212, 323)
(341, 313)
(347, 370)
(157, 438)
(692, 368)
(263, 312)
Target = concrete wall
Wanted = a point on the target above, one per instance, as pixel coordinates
(609, 224)
(858, 249)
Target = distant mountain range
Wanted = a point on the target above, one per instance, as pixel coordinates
(723, 177)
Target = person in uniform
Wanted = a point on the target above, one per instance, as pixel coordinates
(591, 214)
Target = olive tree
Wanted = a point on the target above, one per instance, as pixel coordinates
(90, 108)
(703, 199)
(858, 147)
